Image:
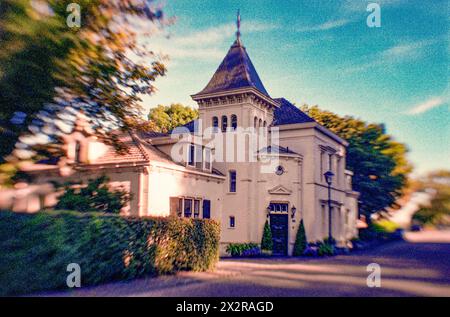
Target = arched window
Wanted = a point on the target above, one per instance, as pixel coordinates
(255, 122)
(233, 122)
(264, 124)
(215, 124)
(260, 123)
(224, 123)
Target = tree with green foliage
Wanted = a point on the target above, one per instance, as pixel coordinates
(300, 240)
(95, 196)
(266, 241)
(378, 162)
(47, 67)
(438, 212)
(166, 118)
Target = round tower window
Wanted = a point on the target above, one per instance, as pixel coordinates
(279, 170)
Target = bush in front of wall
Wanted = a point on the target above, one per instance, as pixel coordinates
(266, 241)
(95, 196)
(319, 248)
(243, 249)
(300, 241)
(36, 248)
(325, 249)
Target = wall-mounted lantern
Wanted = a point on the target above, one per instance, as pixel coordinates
(293, 211)
(268, 211)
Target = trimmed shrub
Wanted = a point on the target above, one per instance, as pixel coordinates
(266, 241)
(243, 249)
(300, 240)
(36, 248)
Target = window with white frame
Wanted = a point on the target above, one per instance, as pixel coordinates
(232, 175)
(278, 207)
(198, 156)
(196, 208)
(191, 155)
(232, 223)
(187, 207)
(224, 123)
(233, 122)
(176, 206)
(215, 124)
(207, 160)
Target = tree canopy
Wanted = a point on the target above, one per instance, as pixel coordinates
(378, 162)
(438, 212)
(165, 118)
(48, 66)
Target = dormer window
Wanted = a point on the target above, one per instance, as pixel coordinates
(233, 122)
(191, 161)
(198, 157)
(224, 123)
(77, 152)
(207, 160)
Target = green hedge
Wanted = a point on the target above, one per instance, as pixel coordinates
(35, 249)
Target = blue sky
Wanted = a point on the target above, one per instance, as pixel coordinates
(323, 52)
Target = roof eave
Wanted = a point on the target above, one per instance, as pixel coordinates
(316, 126)
(200, 95)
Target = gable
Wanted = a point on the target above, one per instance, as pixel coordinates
(280, 190)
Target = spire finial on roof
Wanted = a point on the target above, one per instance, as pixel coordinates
(238, 24)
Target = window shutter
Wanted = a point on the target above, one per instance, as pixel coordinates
(174, 205)
(206, 209)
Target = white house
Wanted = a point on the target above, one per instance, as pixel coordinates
(248, 159)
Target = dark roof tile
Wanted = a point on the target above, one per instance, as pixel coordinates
(287, 113)
(235, 71)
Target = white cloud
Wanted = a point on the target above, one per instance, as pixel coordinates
(407, 50)
(396, 54)
(427, 105)
(325, 26)
(204, 44)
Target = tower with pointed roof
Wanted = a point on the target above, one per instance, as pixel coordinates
(235, 91)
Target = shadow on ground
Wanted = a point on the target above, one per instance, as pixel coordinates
(408, 268)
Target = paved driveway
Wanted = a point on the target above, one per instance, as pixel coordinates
(417, 267)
